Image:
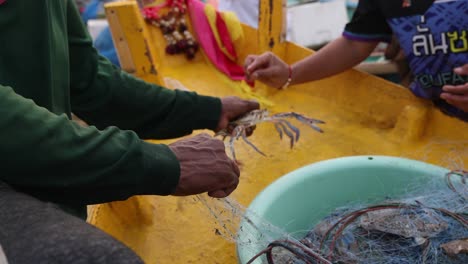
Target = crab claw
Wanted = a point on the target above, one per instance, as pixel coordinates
(311, 122)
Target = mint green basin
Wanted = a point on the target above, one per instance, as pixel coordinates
(301, 198)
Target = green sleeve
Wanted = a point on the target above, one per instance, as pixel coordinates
(58, 160)
(103, 95)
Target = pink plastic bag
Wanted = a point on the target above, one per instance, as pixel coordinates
(208, 43)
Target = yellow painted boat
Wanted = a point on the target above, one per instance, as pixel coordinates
(364, 114)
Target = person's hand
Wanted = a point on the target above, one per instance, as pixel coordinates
(267, 68)
(457, 95)
(204, 167)
(233, 108)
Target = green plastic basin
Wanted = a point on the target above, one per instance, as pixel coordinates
(298, 200)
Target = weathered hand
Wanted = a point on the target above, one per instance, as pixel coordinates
(204, 167)
(233, 108)
(267, 68)
(457, 95)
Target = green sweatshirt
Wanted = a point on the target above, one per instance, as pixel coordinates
(48, 69)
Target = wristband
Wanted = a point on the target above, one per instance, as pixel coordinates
(289, 78)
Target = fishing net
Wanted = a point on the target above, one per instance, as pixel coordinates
(427, 225)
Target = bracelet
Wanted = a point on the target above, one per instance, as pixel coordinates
(289, 79)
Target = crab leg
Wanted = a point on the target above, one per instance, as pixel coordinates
(306, 120)
(235, 135)
(231, 147)
(244, 137)
(286, 131)
(311, 122)
(293, 128)
(280, 131)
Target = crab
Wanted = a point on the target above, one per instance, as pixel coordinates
(283, 127)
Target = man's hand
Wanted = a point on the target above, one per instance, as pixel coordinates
(267, 68)
(204, 167)
(457, 95)
(233, 108)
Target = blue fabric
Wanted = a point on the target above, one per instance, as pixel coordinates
(103, 42)
(91, 10)
(105, 46)
(433, 46)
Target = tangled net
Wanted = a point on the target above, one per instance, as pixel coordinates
(431, 228)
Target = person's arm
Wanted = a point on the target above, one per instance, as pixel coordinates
(360, 37)
(338, 56)
(104, 95)
(58, 160)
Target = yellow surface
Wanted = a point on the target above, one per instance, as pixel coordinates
(364, 115)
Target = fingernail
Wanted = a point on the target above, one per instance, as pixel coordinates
(458, 69)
